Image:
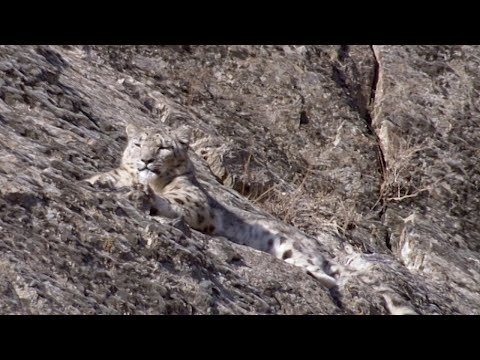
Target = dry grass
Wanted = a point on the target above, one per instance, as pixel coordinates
(313, 200)
(399, 174)
(275, 200)
(304, 206)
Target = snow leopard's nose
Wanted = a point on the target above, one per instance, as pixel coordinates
(147, 161)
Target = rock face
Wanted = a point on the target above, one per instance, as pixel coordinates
(372, 150)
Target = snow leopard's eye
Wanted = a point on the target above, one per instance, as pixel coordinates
(136, 144)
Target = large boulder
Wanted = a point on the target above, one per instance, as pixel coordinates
(369, 149)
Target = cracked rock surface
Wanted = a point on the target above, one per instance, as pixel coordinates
(373, 150)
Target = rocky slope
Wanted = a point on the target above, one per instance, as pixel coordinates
(373, 150)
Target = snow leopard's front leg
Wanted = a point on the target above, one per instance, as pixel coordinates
(114, 179)
(147, 200)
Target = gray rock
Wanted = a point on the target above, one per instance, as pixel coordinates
(371, 150)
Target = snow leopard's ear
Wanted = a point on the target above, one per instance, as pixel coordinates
(132, 130)
(183, 134)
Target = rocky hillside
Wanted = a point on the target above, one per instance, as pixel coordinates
(372, 150)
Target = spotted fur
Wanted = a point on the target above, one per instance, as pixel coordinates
(126, 173)
(158, 159)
